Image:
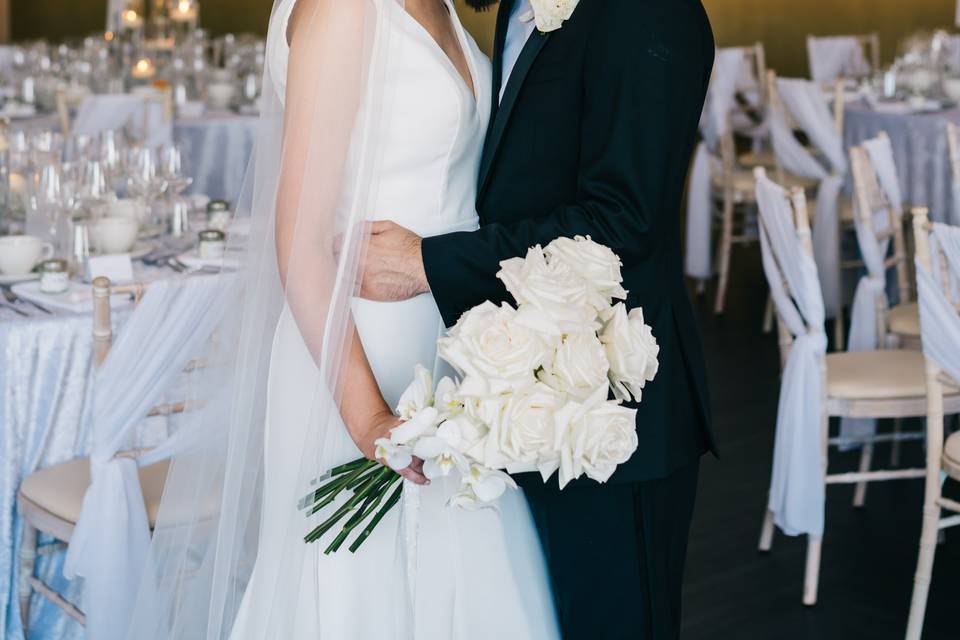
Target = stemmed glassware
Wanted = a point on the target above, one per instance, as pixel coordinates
(145, 180)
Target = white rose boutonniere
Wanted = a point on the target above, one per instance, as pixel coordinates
(551, 14)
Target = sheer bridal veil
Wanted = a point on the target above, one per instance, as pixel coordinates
(310, 180)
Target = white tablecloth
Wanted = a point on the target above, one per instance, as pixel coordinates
(46, 365)
(218, 146)
(920, 147)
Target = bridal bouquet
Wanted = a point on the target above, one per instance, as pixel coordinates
(533, 392)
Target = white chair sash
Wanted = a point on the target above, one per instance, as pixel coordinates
(836, 56)
(110, 541)
(797, 491)
(939, 319)
(105, 112)
(807, 105)
(713, 124)
(863, 332)
(871, 292)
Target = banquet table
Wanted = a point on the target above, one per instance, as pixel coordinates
(217, 144)
(920, 148)
(45, 400)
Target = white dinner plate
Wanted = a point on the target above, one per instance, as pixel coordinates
(78, 298)
(140, 249)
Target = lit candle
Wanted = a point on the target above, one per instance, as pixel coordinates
(183, 11)
(143, 69)
(131, 19)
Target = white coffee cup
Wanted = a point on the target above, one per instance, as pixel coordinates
(128, 208)
(114, 234)
(219, 95)
(20, 254)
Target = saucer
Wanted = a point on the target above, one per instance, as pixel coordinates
(20, 277)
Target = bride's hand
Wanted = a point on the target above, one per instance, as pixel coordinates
(382, 425)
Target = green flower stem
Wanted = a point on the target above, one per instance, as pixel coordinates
(331, 492)
(347, 507)
(351, 466)
(369, 506)
(394, 499)
(336, 482)
(375, 469)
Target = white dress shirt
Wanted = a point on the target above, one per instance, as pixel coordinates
(521, 26)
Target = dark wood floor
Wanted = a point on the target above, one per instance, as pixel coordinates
(732, 592)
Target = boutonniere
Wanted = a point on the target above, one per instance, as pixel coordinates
(550, 14)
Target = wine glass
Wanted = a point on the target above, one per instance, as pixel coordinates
(145, 180)
(93, 189)
(173, 169)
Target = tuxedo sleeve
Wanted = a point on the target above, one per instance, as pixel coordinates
(642, 62)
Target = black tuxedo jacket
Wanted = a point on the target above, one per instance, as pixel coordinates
(594, 137)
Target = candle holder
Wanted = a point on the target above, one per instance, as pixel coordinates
(184, 16)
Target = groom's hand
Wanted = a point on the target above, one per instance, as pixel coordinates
(392, 267)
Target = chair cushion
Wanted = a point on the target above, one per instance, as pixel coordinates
(758, 159)
(904, 319)
(951, 455)
(743, 181)
(60, 489)
(876, 375)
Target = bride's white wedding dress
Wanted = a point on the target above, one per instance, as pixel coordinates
(478, 574)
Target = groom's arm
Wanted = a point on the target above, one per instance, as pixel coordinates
(645, 63)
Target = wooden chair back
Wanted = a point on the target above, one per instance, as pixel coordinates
(871, 205)
(801, 221)
(869, 43)
(953, 145)
(103, 333)
(935, 376)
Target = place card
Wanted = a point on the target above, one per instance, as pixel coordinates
(117, 267)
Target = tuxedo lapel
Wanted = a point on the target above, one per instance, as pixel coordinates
(501, 113)
(499, 42)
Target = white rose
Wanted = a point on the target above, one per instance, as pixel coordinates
(594, 262)
(527, 423)
(419, 395)
(609, 439)
(591, 437)
(578, 366)
(551, 14)
(493, 352)
(552, 298)
(632, 351)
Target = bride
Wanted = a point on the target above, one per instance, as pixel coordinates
(372, 109)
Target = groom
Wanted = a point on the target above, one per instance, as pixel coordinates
(592, 130)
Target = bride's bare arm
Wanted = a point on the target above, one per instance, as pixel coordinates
(324, 89)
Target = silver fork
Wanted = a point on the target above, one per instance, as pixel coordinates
(14, 299)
